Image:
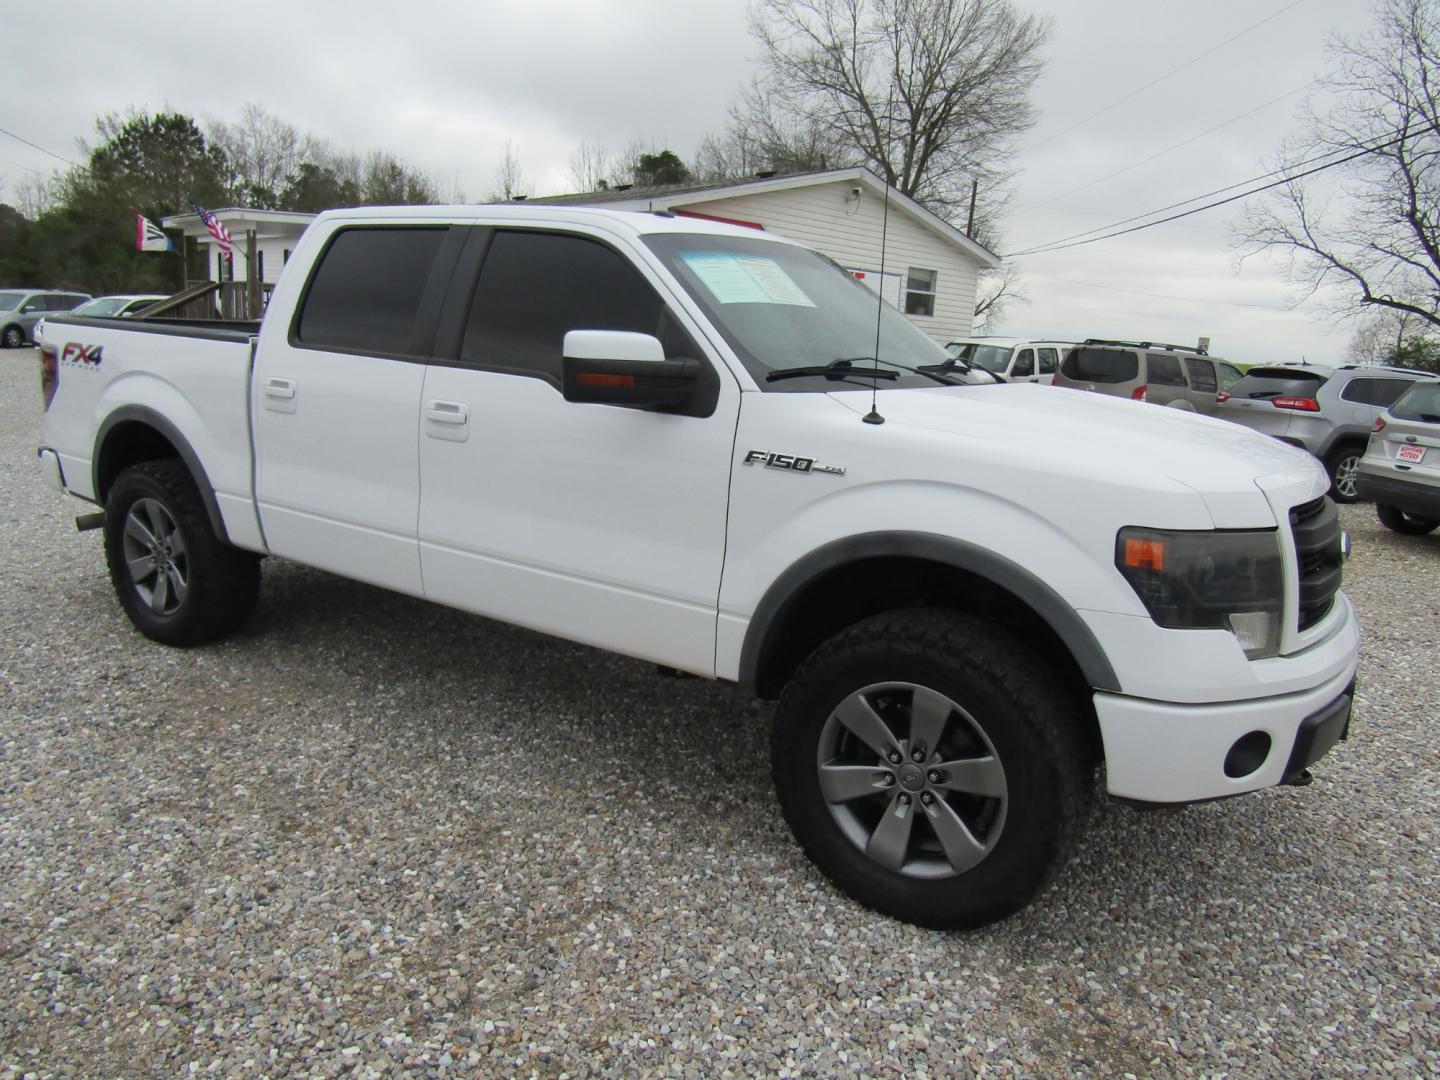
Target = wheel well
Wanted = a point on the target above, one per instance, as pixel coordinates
(1348, 442)
(845, 594)
(128, 443)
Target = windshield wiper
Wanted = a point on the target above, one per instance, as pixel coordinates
(952, 364)
(836, 369)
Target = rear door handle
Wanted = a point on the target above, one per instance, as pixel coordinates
(447, 412)
(280, 388)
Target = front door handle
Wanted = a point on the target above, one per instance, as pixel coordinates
(447, 412)
(280, 388)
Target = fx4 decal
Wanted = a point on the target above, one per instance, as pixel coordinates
(791, 463)
(82, 355)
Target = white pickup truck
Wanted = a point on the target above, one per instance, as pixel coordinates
(679, 440)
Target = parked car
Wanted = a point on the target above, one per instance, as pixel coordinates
(1328, 411)
(106, 307)
(676, 455)
(1401, 466)
(21, 309)
(1173, 375)
(1012, 359)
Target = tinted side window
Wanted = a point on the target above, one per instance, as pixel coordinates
(534, 287)
(1202, 374)
(1024, 364)
(366, 293)
(1048, 361)
(1164, 370)
(1100, 365)
(1381, 392)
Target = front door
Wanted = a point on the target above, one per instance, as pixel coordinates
(597, 523)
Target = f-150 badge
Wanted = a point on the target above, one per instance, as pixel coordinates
(790, 462)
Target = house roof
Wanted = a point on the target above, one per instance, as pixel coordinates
(671, 196)
(240, 218)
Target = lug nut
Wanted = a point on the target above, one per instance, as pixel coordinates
(904, 800)
(927, 798)
(888, 780)
(936, 776)
(894, 757)
(919, 756)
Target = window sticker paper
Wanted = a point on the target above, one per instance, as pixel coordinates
(746, 279)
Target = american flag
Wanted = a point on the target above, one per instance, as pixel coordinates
(223, 239)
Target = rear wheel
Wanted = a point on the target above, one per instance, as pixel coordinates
(932, 767)
(176, 580)
(1392, 517)
(13, 337)
(1343, 465)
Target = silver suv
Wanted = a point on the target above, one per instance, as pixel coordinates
(1172, 375)
(1328, 411)
(21, 309)
(1401, 466)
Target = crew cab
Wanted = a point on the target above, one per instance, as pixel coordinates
(679, 440)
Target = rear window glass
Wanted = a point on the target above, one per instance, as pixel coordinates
(365, 296)
(1420, 402)
(1100, 365)
(1266, 383)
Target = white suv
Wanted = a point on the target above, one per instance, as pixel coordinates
(1012, 359)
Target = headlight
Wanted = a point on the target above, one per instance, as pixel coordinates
(1208, 580)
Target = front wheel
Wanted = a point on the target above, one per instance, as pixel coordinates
(1397, 520)
(932, 767)
(13, 337)
(1344, 465)
(176, 580)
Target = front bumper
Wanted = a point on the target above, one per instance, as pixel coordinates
(1162, 752)
(1411, 495)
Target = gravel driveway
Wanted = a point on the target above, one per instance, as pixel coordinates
(371, 835)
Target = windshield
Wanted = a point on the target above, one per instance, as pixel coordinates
(9, 301)
(1420, 402)
(780, 306)
(105, 305)
(993, 358)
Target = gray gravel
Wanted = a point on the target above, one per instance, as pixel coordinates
(370, 835)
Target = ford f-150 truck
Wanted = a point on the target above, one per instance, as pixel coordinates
(703, 446)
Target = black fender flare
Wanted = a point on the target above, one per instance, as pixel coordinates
(982, 562)
(150, 418)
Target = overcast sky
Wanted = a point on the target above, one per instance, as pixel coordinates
(443, 86)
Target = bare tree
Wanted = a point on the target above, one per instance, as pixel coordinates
(928, 93)
(264, 153)
(591, 165)
(1371, 224)
(510, 181)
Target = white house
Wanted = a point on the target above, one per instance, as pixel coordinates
(930, 267)
(276, 233)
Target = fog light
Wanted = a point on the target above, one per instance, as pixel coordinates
(1247, 755)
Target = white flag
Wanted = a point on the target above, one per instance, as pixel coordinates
(148, 236)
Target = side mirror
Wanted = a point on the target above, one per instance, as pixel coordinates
(617, 367)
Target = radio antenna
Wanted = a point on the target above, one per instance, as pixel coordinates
(873, 416)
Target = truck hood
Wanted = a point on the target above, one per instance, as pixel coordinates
(1094, 435)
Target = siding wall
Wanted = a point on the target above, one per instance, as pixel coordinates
(827, 218)
(274, 260)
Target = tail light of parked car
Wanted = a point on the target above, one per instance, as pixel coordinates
(1138, 394)
(1299, 404)
(1379, 425)
(49, 373)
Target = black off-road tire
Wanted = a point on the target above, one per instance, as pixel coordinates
(1342, 465)
(1397, 520)
(1006, 692)
(222, 583)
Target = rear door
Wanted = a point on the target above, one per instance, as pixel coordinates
(336, 404)
(1204, 384)
(1165, 382)
(1049, 363)
(598, 523)
(1023, 367)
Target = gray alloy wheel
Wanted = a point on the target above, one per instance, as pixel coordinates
(912, 780)
(14, 337)
(156, 561)
(1344, 467)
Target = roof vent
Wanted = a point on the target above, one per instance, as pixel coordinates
(765, 174)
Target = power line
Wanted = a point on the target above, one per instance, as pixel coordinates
(1162, 78)
(1158, 296)
(1062, 245)
(36, 146)
(1177, 146)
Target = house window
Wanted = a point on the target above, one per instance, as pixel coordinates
(920, 292)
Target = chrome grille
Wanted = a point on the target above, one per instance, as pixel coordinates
(1316, 528)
